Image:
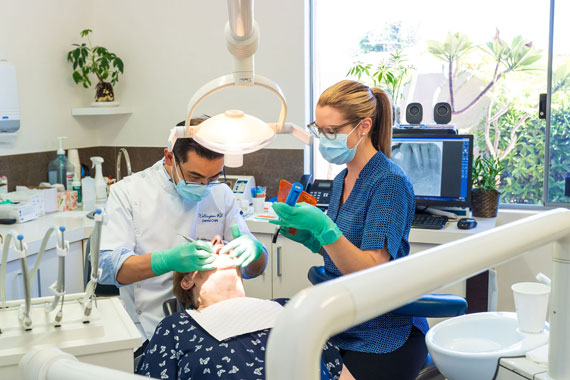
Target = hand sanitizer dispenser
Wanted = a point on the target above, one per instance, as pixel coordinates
(9, 106)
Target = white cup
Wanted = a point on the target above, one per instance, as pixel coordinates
(531, 303)
(258, 205)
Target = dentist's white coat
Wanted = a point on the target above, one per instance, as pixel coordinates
(145, 214)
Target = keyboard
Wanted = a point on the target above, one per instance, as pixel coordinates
(429, 221)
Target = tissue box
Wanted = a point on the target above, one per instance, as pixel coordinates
(45, 198)
(66, 200)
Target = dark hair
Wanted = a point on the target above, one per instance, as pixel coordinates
(357, 101)
(185, 145)
(185, 297)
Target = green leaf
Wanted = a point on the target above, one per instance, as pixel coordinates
(85, 32)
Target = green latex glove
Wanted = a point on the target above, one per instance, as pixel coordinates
(303, 216)
(244, 247)
(307, 238)
(185, 257)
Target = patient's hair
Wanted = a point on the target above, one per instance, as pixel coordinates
(185, 297)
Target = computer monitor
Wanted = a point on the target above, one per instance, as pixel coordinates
(438, 165)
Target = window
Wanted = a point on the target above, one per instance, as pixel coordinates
(499, 63)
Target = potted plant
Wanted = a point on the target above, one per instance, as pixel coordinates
(97, 60)
(391, 74)
(485, 194)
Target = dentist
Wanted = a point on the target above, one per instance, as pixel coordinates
(140, 246)
(368, 222)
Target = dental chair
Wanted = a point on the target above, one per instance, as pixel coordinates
(429, 306)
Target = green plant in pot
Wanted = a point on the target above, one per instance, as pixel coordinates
(485, 194)
(97, 60)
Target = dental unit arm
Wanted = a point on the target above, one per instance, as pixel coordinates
(95, 243)
(20, 248)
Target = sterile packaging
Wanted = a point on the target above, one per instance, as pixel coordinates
(22, 212)
(66, 200)
(49, 197)
(34, 198)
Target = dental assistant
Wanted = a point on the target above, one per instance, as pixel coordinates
(140, 246)
(367, 224)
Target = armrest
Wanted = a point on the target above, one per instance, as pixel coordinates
(431, 305)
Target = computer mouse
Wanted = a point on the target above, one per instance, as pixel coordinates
(466, 223)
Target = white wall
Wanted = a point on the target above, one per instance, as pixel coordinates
(35, 36)
(170, 49)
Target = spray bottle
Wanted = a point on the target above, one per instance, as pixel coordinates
(61, 170)
(100, 185)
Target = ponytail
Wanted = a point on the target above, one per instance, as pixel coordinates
(381, 133)
(358, 101)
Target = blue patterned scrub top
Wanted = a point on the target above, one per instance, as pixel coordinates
(377, 214)
(181, 349)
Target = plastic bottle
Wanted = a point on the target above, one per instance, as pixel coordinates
(61, 170)
(76, 186)
(88, 193)
(100, 185)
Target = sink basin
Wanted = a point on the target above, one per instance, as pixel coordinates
(469, 347)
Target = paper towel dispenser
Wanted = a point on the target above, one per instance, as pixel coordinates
(9, 106)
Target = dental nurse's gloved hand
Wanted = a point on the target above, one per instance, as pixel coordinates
(304, 216)
(307, 238)
(243, 247)
(184, 258)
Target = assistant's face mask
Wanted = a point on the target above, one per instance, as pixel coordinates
(336, 151)
(191, 191)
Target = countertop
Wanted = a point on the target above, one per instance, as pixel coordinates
(258, 223)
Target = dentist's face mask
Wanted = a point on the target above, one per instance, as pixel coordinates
(191, 191)
(336, 151)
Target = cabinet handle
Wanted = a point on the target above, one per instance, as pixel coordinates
(278, 261)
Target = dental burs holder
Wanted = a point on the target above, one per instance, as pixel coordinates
(291, 200)
(95, 244)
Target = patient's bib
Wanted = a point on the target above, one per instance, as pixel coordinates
(237, 316)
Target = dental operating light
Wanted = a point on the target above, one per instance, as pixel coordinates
(233, 132)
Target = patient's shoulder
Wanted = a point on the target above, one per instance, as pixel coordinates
(177, 323)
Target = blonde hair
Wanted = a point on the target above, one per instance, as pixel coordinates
(358, 101)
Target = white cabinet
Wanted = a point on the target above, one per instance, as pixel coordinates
(286, 272)
(291, 262)
(47, 273)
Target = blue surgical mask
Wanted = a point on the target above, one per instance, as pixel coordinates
(336, 151)
(191, 191)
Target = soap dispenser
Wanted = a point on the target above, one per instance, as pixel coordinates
(61, 170)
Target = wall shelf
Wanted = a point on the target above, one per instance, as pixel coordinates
(96, 111)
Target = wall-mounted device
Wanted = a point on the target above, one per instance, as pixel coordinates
(442, 113)
(414, 113)
(241, 185)
(9, 106)
(320, 189)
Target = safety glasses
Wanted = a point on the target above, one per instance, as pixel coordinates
(329, 132)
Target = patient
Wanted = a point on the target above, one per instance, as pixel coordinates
(182, 349)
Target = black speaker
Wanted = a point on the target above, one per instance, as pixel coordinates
(414, 113)
(442, 113)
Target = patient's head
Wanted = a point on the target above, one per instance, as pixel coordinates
(200, 289)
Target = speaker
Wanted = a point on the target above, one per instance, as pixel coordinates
(442, 113)
(414, 113)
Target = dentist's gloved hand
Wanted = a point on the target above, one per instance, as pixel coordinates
(304, 216)
(184, 258)
(243, 247)
(307, 238)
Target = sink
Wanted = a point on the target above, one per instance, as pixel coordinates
(469, 347)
